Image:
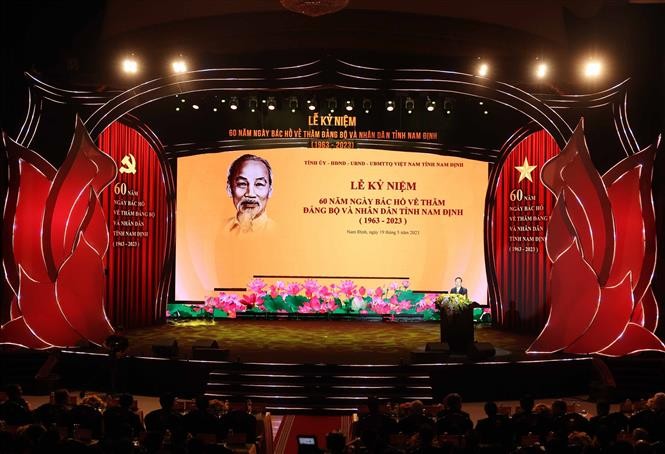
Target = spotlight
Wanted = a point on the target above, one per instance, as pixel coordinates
(593, 68)
(448, 106)
(485, 112)
(177, 109)
(349, 105)
(409, 105)
(541, 70)
(195, 106)
(214, 109)
(483, 69)
(311, 104)
(183, 100)
(367, 105)
(293, 104)
(130, 65)
(253, 104)
(179, 66)
(390, 106)
(272, 103)
(430, 105)
(332, 104)
(233, 103)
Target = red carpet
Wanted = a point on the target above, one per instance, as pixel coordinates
(286, 440)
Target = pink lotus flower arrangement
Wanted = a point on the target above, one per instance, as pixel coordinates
(312, 297)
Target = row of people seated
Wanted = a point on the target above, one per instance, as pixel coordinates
(123, 421)
(531, 425)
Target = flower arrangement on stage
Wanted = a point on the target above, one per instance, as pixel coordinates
(312, 297)
(452, 303)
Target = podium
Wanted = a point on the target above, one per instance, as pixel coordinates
(457, 329)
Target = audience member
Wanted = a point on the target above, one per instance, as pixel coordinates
(525, 421)
(452, 420)
(376, 422)
(415, 419)
(88, 415)
(240, 422)
(55, 413)
(15, 411)
(335, 443)
(200, 420)
(120, 421)
(494, 430)
(166, 418)
(425, 439)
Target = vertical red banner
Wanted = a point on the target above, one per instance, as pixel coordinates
(519, 221)
(135, 207)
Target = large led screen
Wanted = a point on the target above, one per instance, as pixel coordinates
(290, 214)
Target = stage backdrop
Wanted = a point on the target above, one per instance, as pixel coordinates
(135, 208)
(371, 216)
(521, 208)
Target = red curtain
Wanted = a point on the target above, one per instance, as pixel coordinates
(136, 210)
(521, 210)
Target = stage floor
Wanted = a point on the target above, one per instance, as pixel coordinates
(330, 341)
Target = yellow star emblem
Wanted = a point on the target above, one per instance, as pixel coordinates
(525, 170)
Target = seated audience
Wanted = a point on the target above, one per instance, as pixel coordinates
(452, 420)
(166, 418)
(56, 413)
(200, 420)
(15, 411)
(88, 415)
(605, 425)
(414, 419)
(120, 422)
(494, 430)
(375, 421)
(657, 405)
(425, 440)
(335, 443)
(240, 422)
(525, 421)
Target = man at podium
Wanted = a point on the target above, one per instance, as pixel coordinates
(458, 287)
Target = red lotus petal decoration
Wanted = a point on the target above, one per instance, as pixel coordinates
(612, 220)
(56, 236)
(615, 307)
(576, 291)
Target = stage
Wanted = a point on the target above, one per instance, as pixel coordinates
(315, 341)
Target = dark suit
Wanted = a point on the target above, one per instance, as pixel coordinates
(462, 290)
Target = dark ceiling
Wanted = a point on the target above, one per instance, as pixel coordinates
(78, 44)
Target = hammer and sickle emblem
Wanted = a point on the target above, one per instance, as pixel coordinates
(128, 164)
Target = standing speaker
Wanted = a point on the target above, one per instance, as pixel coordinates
(481, 350)
(165, 350)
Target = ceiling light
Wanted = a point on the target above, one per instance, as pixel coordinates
(332, 104)
(179, 66)
(409, 105)
(293, 104)
(541, 70)
(593, 68)
(253, 103)
(130, 65)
